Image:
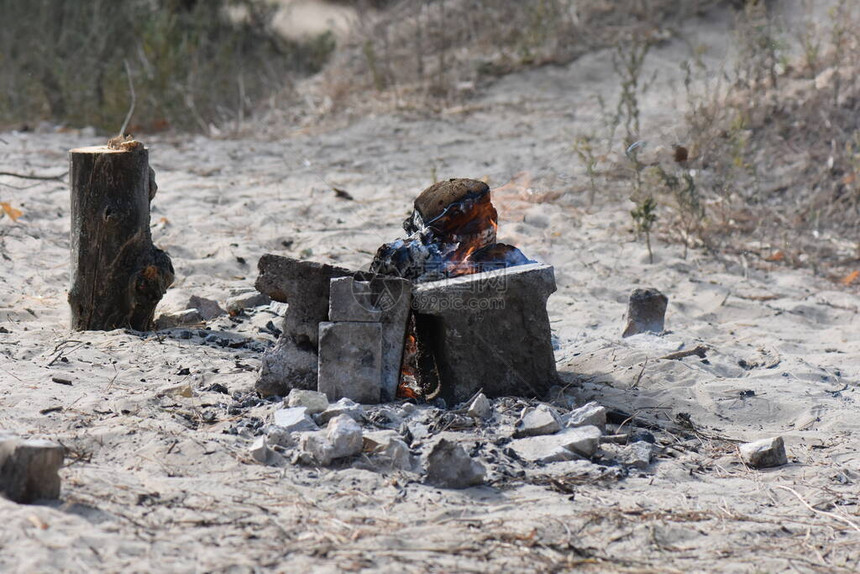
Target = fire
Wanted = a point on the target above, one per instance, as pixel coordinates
(409, 387)
(451, 231)
(469, 225)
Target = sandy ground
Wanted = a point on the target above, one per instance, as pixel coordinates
(154, 484)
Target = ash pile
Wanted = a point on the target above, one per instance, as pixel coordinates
(497, 442)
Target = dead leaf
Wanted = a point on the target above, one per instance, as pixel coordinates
(38, 522)
(775, 256)
(13, 213)
(850, 278)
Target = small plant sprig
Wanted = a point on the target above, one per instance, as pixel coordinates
(584, 149)
(644, 216)
(691, 210)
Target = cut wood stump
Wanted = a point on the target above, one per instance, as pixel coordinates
(118, 275)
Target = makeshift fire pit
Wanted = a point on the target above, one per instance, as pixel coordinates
(445, 312)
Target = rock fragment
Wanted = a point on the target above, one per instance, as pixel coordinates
(540, 420)
(389, 452)
(294, 419)
(764, 453)
(345, 437)
(208, 308)
(588, 414)
(314, 401)
(314, 448)
(646, 312)
(637, 454)
(29, 468)
(569, 444)
(178, 319)
(279, 437)
(258, 450)
(583, 440)
(343, 406)
(449, 466)
(545, 449)
(247, 300)
(481, 407)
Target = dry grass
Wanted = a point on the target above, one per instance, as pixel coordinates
(430, 54)
(775, 143)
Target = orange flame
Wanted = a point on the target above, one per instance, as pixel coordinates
(409, 387)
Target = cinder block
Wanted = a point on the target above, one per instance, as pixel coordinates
(350, 361)
(379, 299)
(491, 331)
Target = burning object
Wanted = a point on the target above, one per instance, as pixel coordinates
(452, 231)
(445, 311)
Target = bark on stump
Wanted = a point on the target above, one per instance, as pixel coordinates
(118, 275)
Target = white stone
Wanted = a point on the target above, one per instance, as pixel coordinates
(314, 401)
(540, 420)
(547, 448)
(247, 300)
(294, 419)
(178, 319)
(764, 453)
(638, 454)
(449, 466)
(277, 436)
(481, 407)
(344, 406)
(208, 308)
(569, 444)
(588, 414)
(259, 450)
(583, 440)
(345, 436)
(388, 450)
(315, 449)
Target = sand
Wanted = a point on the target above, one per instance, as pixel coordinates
(154, 484)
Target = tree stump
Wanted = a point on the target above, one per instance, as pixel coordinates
(118, 275)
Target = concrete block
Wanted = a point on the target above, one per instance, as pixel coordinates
(492, 331)
(350, 361)
(29, 469)
(379, 299)
(305, 286)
